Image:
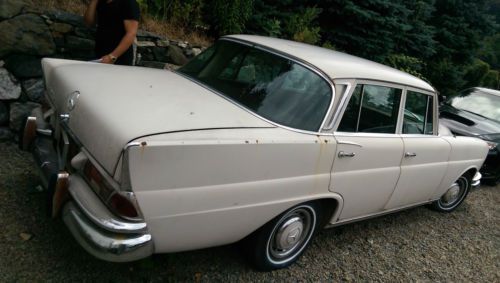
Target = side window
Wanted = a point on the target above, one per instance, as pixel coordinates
(418, 115)
(372, 109)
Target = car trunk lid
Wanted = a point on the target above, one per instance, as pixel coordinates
(109, 106)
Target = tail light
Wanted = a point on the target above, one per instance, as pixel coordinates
(121, 203)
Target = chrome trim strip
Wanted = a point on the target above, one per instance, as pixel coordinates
(382, 83)
(126, 183)
(373, 135)
(401, 111)
(349, 143)
(340, 107)
(373, 215)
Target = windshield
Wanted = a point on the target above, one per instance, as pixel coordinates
(478, 102)
(274, 87)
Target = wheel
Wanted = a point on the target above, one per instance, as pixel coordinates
(281, 241)
(454, 196)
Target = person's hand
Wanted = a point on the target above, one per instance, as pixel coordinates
(106, 59)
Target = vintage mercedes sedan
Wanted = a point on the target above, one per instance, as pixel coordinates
(257, 139)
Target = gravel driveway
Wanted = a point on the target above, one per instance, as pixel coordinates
(414, 245)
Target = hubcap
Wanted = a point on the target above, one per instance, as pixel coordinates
(291, 233)
(452, 194)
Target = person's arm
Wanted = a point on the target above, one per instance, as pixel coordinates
(90, 13)
(131, 27)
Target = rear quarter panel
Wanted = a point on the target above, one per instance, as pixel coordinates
(212, 187)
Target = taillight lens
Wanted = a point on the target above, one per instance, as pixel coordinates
(117, 201)
(122, 205)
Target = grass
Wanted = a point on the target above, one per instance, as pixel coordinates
(147, 23)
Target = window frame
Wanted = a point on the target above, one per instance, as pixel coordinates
(435, 115)
(347, 98)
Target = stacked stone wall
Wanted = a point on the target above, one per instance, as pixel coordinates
(29, 34)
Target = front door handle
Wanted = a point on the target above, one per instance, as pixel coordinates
(410, 154)
(346, 154)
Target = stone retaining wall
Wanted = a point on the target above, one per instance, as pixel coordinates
(29, 33)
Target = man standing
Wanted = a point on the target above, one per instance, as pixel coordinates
(117, 23)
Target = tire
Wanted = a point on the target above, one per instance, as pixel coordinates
(282, 241)
(454, 196)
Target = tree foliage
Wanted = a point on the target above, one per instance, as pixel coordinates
(451, 43)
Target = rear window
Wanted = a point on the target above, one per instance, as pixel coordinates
(274, 87)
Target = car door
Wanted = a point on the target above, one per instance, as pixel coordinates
(426, 154)
(367, 163)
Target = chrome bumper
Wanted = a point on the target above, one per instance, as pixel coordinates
(103, 244)
(96, 229)
(100, 232)
(476, 180)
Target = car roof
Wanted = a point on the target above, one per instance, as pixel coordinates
(336, 65)
(488, 90)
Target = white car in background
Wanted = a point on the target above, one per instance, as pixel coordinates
(256, 139)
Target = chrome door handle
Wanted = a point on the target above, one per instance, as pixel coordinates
(410, 154)
(346, 154)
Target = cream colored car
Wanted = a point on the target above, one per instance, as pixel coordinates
(257, 139)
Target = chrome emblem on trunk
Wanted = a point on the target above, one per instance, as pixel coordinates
(73, 97)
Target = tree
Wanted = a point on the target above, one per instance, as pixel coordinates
(371, 29)
(229, 17)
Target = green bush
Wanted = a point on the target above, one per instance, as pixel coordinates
(491, 80)
(406, 63)
(229, 17)
(300, 26)
(475, 73)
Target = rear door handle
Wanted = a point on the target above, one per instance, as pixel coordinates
(346, 154)
(410, 154)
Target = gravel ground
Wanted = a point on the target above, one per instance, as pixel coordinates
(414, 245)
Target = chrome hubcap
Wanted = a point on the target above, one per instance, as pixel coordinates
(452, 194)
(291, 233)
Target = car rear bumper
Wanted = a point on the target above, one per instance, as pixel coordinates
(104, 244)
(96, 229)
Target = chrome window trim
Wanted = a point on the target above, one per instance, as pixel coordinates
(435, 118)
(341, 108)
(402, 103)
(340, 105)
(418, 136)
(373, 135)
(288, 57)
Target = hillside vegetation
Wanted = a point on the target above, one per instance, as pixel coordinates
(454, 44)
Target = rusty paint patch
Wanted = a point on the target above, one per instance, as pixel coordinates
(144, 143)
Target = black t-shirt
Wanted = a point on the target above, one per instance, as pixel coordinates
(110, 27)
